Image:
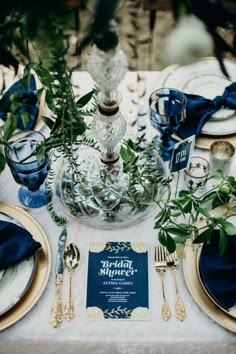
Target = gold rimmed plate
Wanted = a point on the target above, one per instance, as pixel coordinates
(194, 285)
(42, 267)
(15, 280)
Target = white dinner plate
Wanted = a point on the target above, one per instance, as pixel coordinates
(15, 280)
(206, 79)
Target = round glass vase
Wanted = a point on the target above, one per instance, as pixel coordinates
(106, 196)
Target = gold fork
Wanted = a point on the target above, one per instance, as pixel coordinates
(160, 266)
(173, 263)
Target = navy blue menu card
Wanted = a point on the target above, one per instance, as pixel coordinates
(117, 283)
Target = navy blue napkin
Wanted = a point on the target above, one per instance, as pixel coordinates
(16, 244)
(28, 103)
(199, 109)
(218, 273)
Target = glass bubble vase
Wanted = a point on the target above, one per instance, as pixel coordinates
(105, 196)
(105, 189)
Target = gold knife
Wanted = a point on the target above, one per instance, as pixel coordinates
(56, 311)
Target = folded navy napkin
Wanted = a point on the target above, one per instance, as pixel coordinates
(199, 109)
(218, 273)
(16, 244)
(28, 103)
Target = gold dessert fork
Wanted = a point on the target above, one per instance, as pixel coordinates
(160, 266)
(173, 263)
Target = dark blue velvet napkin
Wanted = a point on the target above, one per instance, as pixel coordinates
(28, 103)
(218, 273)
(16, 244)
(199, 109)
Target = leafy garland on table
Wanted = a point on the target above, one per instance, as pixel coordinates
(176, 216)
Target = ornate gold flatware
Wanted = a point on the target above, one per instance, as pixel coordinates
(173, 263)
(161, 266)
(56, 311)
(71, 259)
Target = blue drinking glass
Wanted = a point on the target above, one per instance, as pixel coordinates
(27, 170)
(167, 112)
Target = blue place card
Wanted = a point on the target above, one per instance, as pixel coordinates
(181, 154)
(117, 284)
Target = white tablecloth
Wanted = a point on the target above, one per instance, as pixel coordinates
(198, 334)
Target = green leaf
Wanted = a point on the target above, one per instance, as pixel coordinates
(131, 144)
(204, 236)
(40, 152)
(161, 217)
(82, 101)
(49, 122)
(220, 199)
(2, 161)
(26, 77)
(181, 232)
(124, 153)
(220, 174)
(170, 244)
(178, 205)
(203, 211)
(39, 93)
(223, 243)
(162, 238)
(208, 197)
(175, 214)
(229, 228)
(9, 126)
(56, 125)
(183, 193)
(44, 75)
(187, 207)
(25, 118)
(49, 99)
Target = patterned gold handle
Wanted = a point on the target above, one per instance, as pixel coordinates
(165, 309)
(56, 311)
(180, 312)
(179, 308)
(69, 311)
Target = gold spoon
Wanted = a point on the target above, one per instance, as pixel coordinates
(71, 258)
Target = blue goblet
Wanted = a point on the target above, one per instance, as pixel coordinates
(167, 112)
(27, 170)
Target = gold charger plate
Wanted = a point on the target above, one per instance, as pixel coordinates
(203, 141)
(190, 269)
(42, 271)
